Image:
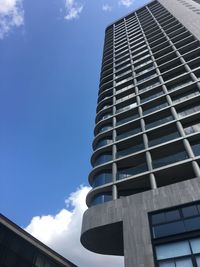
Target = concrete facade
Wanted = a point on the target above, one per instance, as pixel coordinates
(147, 135)
(130, 216)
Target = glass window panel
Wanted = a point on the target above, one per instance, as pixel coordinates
(172, 215)
(39, 262)
(198, 207)
(168, 229)
(192, 224)
(172, 250)
(198, 261)
(195, 244)
(158, 218)
(167, 264)
(190, 211)
(196, 149)
(184, 263)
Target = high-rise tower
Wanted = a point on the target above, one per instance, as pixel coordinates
(145, 201)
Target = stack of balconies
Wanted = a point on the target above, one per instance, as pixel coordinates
(147, 131)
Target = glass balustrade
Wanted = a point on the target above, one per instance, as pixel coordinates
(103, 159)
(193, 128)
(102, 178)
(140, 59)
(181, 84)
(147, 98)
(185, 96)
(143, 64)
(124, 89)
(106, 116)
(105, 128)
(158, 122)
(147, 88)
(123, 81)
(189, 110)
(155, 108)
(126, 173)
(130, 150)
(196, 148)
(125, 98)
(103, 142)
(128, 134)
(163, 161)
(147, 78)
(127, 119)
(126, 108)
(163, 139)
(145, 71)
(100, 199)
(122, 74)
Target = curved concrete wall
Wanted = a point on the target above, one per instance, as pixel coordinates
(128, 218)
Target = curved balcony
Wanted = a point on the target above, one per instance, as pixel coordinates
(103, 109)
(101, 179)
(104, 158)
(101, 198)
(103, 117)
(104, 129)
(102, 143)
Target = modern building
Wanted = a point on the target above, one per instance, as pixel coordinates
(145, 197)
(20, 249)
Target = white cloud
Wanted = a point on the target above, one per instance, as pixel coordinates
(126, 3)
(61, 232)
(106, 7)
(73, 9)
(11, 15)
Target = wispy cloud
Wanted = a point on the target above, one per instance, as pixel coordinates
(126, 3)
(62, 233)
(107, 7)
(73, 9)
(11, 15)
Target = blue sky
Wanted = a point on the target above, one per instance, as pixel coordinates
(50, 56)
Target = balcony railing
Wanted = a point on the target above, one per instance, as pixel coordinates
(130, 150)
(103, 159)
(126, 108)
(103, 142)
(128, 134)
(126, 173)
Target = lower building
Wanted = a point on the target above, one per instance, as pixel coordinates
(20, 249)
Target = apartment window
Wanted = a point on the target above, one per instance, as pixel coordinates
(182, 222)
